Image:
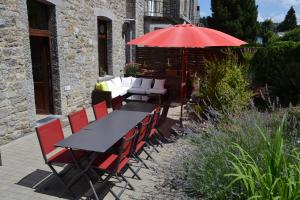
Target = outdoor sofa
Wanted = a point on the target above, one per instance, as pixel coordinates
(126, 86)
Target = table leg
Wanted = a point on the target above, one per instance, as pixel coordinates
(82, 173)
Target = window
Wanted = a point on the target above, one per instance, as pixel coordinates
(38, 15)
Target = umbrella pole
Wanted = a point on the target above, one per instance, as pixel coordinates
(181, 86)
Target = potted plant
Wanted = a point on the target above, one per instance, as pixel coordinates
(132, 69)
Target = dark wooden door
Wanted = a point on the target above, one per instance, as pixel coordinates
(41, 68)
(102, 45)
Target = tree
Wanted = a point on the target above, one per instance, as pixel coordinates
(267, 29)
(203, 21)
(235, 17)
(289, 22)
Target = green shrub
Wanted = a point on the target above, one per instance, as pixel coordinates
(278, 66)
(132, 69)
(206, 168)
(224, 85)
(294, 113)
(275, 176)
(293, 35)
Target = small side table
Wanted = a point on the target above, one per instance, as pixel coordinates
(137, 98)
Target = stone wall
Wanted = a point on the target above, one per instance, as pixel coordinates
(77, 44)
(17, 112)
(77, 52)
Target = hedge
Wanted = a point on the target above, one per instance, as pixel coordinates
(278, 66)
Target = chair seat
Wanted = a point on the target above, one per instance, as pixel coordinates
(104, 161)
(139, 146)
(157, 91)
(65, 156)
(137, 90)
(107, 162)
(152, 132)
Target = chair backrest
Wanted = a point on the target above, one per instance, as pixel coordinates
(117, 103)
(78, 120)
(156, 116)
(144, 129)
(126, 147)
(100, 110)
(49, 134)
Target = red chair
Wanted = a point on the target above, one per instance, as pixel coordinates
(78, 120)
(48, 135)
(154, 131)
(117, 103)
(115, 164)
(100, 110)
(141, 142)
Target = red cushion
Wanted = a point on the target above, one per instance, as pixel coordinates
(64, 156)
(139, 146)
(152, 132)
(104, 161)
(107, 162)
(122, 164)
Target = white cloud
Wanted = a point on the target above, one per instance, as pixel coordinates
(289, 2)
(260, 18)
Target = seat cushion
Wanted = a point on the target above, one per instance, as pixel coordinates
(146, 83)
(137, 91)
(139, 146)
(107, 162)
(110, 85)
(159, 84)
(104, 161)
(119, 92)
(126, 81)
(117, 82)
(136, 82)
(102, 86)
(156, 91)
(152, 132)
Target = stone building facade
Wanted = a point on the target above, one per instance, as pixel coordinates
(74, 63)
(163, 13)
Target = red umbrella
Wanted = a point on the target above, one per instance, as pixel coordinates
(186, 36)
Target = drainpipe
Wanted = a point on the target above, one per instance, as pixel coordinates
(0, 159)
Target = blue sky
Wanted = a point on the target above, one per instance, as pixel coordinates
(267, 9)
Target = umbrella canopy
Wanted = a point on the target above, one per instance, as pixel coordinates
(186, 36)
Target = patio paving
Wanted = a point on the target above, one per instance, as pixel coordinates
(25, 176)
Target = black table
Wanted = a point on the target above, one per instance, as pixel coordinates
(139, 107)
(100, 135)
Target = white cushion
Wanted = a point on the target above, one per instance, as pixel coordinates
(126, 81)
(117, 82)
(136, 82)
(146, 83)
(110, 85)
(159, 84)
(137, 90)
(119, 92)
(156, 91)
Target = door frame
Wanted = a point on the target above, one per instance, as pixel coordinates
(46, 34)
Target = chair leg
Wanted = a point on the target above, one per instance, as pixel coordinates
(129, 184)
(148, 155)
(149, 143)
(62, 181)
(134, 173)
(155, 137)
(137, 157)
